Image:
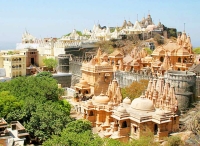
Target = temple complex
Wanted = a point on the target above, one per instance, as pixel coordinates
(96, 76)
(156, 111)
(173, 55)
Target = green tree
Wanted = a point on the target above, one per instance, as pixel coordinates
(34, 102)
(135, 89)
(50, 63)
(149, 51)
(106, 46)
(76, 133)
(10, 53)
(196, 50)
(48, 119)
(174, 141)
(78, 126)
(44, 73)
(9, 104)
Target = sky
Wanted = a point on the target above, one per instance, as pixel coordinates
(54, 18)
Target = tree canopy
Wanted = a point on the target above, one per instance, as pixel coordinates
(149, 51)
(50, 63)
(79, 133)
(135, 89)
(196, 50)
(34, 102)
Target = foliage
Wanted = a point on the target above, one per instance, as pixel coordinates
(106, 46)
(50, 63)
(48, 119)
(44, 73)
(113, 142)
(159, 39)
(144, 141)
(134, 38)
(149, 51)
(10, 53)
(9, 104)
(193, 124)
(44, 88)
(76, 133)
(83, 136)
(196, 50)
(34, 102)
(79, 33)
(135, 89)
(78, 126)
(172, 32)
(174, 141)
(112, 30)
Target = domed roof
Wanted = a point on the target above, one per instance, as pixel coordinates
(121, 109)
(83, 82)
(101, 99)
(151, 27)
(127, 100)
(110, 103)
(160, 112)
(89, 102)
(142, 104)
(104, 63)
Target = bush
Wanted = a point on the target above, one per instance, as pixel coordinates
(196, 50)
(174, 141)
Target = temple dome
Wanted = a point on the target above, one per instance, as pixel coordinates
(121, 109)
(142, 104)
(83, 82)
(101, 99)
(127, 100)
(160, 112)
(89, 102)
(104, 63)
(151, 27)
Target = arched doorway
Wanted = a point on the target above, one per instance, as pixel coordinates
(124, 124)
(91, 113)
(155, 129)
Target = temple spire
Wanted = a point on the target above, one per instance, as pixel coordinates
(184, 28)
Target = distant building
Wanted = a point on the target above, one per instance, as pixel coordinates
(15, 135)
(14, 64)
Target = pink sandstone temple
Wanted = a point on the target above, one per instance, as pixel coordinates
(155, 110)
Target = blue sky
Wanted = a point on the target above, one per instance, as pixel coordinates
(54, 18)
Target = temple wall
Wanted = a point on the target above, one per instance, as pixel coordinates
(75, 70)
(126, 78)
(184, 83)
(64, 79)
(198, 87)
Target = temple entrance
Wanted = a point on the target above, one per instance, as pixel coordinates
(124, 124)
(32, 61)
(155, 129)
(91, 113)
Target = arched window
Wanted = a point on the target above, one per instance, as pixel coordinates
(179, 59)
(161, 59)
(86, 92)
(124, 124)
(91, 113)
